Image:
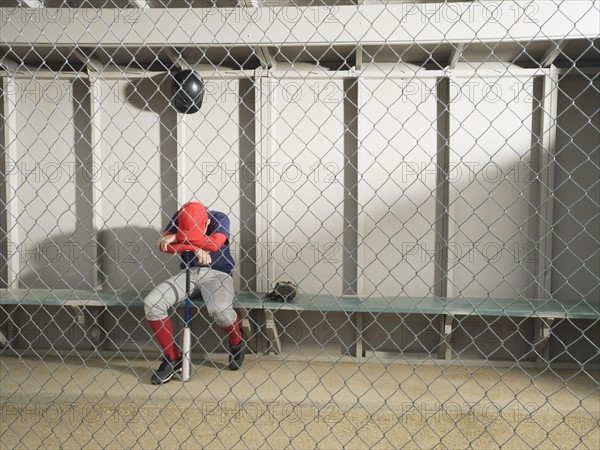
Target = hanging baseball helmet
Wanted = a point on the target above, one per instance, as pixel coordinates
(188, 91)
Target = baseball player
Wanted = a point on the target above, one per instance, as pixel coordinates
(208, 232)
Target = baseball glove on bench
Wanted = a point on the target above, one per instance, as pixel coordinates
(284, 291)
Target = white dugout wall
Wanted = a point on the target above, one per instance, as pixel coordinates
(91, 204)
(347, 170)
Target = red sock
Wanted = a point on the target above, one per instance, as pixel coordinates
(163, 332)
(234, 334)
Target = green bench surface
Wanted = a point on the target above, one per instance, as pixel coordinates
(519, 307)
(460, 306)
(68, 297)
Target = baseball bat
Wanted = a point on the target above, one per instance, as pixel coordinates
(187, 335)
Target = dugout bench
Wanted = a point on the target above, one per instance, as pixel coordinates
(85, 303)
(444, 310)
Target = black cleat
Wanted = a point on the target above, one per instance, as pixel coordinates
(236, 355)
(166, 371)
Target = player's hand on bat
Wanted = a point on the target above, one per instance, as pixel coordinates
(203, 257)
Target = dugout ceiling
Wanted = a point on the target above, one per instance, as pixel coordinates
(338, 37)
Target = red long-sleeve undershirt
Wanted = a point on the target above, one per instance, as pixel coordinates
(210, 243)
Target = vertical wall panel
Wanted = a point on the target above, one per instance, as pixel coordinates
(9, 260)
(492, 199)
(307, 195)
(397, 183)
(247, 254)
(576, 262)
(131, 180)
(266, 143)
(350, 251)
(55, 228)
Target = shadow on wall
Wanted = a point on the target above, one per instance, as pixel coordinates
(126, 258)
(153, 94)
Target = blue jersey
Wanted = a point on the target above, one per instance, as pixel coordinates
(221, 259)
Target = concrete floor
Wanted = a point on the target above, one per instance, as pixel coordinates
(273, 403)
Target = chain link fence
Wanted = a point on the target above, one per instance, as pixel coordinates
(425, 172)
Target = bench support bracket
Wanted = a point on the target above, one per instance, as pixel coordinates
(272, 333)
(541, 335)
(93, 331)
(359, 350)
(445, 348)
